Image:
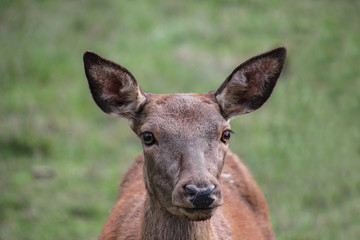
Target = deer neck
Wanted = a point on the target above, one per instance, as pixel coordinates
(157, 223)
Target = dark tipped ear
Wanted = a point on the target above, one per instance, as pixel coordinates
(250, 84)
(112, 86)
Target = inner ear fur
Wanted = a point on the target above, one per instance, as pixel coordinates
(250, 84)
(113, 87)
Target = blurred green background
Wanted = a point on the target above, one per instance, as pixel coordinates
(61, 158)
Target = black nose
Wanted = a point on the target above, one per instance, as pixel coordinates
(200, 197)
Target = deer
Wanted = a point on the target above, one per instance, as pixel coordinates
(186, 183)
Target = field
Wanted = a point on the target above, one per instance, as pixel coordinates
(61, 158)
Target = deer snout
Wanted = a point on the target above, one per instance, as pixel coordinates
(200, 197)
(190, 195)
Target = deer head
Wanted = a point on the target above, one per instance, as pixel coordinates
(184, 136)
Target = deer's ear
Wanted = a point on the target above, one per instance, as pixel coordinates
(113, 87)
(250, 84)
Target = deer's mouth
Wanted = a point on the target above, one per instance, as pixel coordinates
(198, 214)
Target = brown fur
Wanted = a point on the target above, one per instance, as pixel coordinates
(185, 149)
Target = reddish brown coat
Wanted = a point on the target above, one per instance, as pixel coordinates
(244, 213)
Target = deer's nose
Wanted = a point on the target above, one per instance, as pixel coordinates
(200, 197)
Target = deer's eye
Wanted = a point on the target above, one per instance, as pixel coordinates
(225, 137)
(148, 138)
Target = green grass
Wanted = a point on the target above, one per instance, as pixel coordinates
(61, 158)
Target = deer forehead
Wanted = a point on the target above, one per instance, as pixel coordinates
(183, 114)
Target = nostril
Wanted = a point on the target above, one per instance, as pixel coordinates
(190, 191)
(208, 191)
